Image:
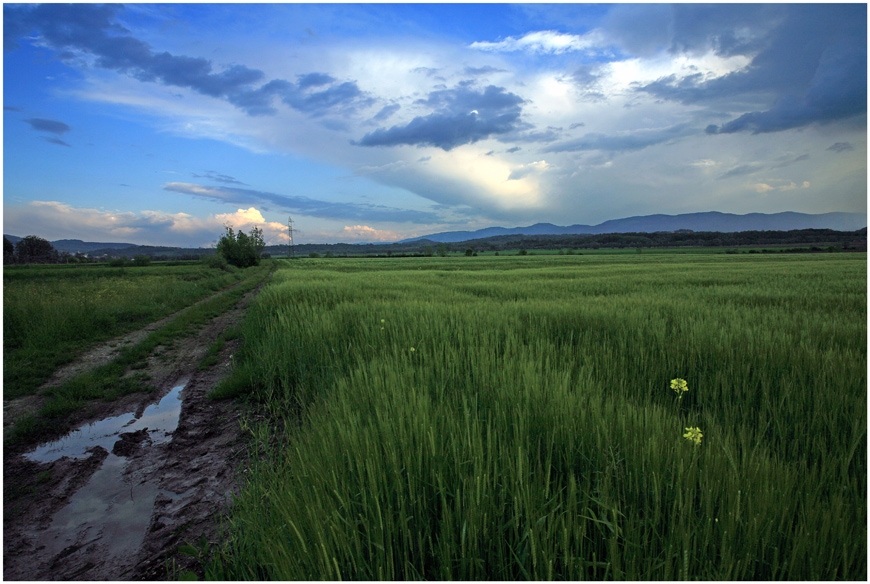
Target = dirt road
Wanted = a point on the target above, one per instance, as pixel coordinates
(144, 474)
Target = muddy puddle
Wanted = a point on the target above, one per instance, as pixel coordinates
(158, 420)
(112, 511)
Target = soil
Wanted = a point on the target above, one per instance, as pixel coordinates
(170, 488)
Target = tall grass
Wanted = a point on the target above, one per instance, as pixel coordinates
(53, 313)
(511, 418)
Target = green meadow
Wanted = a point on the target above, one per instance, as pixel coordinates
(53, 313)
(508, 418)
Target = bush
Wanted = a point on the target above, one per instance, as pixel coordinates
(119, 262)
(217, 262)
(142, 260)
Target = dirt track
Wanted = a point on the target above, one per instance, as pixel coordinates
(120, 511)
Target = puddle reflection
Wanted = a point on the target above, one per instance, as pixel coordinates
(161, 419)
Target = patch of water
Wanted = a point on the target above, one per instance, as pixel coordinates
(161, 419)
(108, 508)
(112, 509)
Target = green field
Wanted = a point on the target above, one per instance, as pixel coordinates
(513, 418)
(53, 313)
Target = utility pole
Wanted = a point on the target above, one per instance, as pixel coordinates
(291, 251)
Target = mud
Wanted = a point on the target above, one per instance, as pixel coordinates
(115, 499)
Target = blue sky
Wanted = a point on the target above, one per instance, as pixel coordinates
(159, 123)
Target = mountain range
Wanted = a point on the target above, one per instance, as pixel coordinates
(76, 245)
(709, 221)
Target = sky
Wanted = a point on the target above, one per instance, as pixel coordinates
(159, 124)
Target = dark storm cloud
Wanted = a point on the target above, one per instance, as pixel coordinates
(51, 126)
(304, 205)
(810, 68)
(91, 29)
(627, 142)
(727, 29)
(462, 116)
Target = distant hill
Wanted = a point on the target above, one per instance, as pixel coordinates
(709, 221)
(76, 245)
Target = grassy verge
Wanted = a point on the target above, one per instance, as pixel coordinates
(482, 419)
(52, 314)
(108, 381)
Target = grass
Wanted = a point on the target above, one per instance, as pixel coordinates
(52, 314)
(512, 418)
(110, 381)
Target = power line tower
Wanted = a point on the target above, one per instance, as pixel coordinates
(291, 251)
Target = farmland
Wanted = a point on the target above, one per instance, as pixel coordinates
(53, 313)
(478, 418)
(513, 418)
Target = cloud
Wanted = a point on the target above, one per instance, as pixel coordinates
(386, 112)
(54, 220)
(789, 186)
(485, 70)
(303, 96)
(52, 126)
(546, 41)
(811, 68)
(725, 29)
(624, 141)
(303, 205)
(57, 141)
(366, 233)
(218, 177)
(92, 30)
(840, 147)
(741, 170)
(462, 116)
(525, 170)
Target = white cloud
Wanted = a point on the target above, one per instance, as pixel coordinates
(545, 41)
(789, 186)
(525, 170)
(56, 220)
(366, 233)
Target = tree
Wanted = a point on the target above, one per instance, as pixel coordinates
(8, 252)
(35, 250)
(239, 249)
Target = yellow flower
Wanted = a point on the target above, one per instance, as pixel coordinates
(679, 386)
(382, 321)
(693, 435)
(413, 349)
